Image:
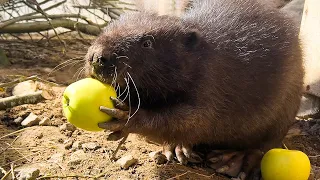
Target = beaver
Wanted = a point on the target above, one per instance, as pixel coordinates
(227, 73)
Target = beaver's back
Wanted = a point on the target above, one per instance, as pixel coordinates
(252, 71)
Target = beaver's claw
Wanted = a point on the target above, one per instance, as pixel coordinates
(119, 113)
(184, 154)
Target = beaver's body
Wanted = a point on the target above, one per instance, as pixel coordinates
(228, 73)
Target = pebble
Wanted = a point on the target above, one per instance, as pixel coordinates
(31, 120)
(24, 87)
(44, 122)
(91, 146)
(2, 172)
(158, 157)
(77, 145)
(76, 133)
(102, 150)
(68, 144)
(67, 127)
(126, 161)
(60, 140)
(39, 136)
(18, 120)
(56, 158)
(77, 157)
(67, 133)
(123, 148)
(27, 173)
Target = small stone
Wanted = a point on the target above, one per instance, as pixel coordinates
(67, 127)
(39, 136)
(31, 120)
(67, 133)
(91, 146)
(76, 133)
(56, 158)
(25, 87)
(27, 173)
(60, 140)
(44, 122)
(18, 120)
(123, 148)
(68, 144)
(102, 150)
(127, 161)
(77, 157)
(2, 172)
(77, 145)
(158, 157)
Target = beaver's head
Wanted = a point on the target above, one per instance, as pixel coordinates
(157, 53)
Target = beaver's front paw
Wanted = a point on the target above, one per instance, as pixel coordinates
(183, 154)
(120, 116)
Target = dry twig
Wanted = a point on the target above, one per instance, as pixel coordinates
(15, 132)
(13, 101)
(9, 145)
(23, 78)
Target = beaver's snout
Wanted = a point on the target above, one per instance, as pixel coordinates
(101, 61)
(101, 65)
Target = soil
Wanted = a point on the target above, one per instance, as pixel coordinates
(38, 146)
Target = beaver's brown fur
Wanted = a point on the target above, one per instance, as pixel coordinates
(228, 73)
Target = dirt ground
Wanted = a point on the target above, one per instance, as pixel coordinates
(46, 147)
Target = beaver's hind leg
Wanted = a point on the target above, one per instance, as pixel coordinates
(238, 164)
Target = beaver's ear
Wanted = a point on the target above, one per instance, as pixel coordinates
(192, 39)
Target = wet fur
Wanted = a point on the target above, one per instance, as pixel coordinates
(228, 73)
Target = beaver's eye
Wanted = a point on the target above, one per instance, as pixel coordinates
(147, 44)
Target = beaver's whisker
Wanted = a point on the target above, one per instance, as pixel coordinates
(126, 90)
(128, 94)
(139, 101)
(127, 64)
(79, 70)
(66, 63)
(114, 78)
(55, 70)
(79, 74)
(118, 89)
(118, 57)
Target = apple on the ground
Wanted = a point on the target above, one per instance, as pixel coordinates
(284, 164)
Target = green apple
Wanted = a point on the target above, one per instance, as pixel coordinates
(81, 101)
(284, 164)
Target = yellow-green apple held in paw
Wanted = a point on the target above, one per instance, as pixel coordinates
(284, 164)
(81, 101)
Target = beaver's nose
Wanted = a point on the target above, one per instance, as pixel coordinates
(100, 61)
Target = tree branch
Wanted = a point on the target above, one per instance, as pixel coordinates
(24, 18)
(46, 9)
(43, 26)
